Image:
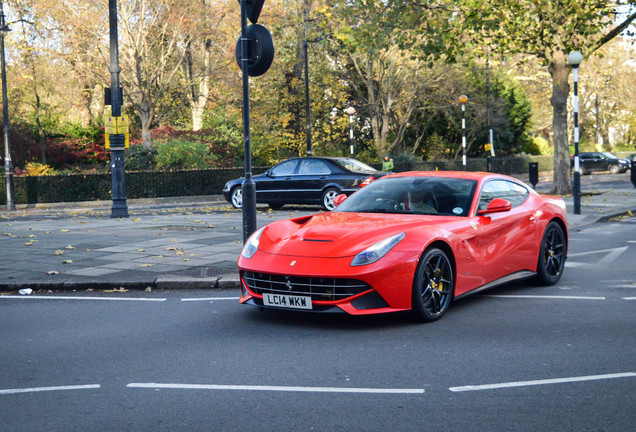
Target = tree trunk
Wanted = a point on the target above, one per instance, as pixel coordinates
(559, 70)
(146, 120)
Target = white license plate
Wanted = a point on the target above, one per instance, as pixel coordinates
(287, 301)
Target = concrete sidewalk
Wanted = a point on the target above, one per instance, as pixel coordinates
(180, 243)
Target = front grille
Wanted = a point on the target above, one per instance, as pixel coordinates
(318, 288)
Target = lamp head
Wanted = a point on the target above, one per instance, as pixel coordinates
(575, 58)
(463, 99)
(350, 110)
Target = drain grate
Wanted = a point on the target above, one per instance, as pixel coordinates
(205, 272)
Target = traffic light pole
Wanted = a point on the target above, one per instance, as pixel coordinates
(249, 187)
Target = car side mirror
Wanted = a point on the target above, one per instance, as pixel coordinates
(339, 199)
(269, 173)
(498, 205)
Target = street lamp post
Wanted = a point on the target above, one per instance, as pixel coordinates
(463, 99)
(350, 111)
(8, 165)
(575, 58)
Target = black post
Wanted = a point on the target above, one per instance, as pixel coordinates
(633, 172)
(533, 168)
(248, 187)
(489, 166)
(8, 164)
(117, 141)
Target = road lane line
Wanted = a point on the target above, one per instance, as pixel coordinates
(542, 382)
(275, 388)
(47, 389)
(209, 299)
(545, 297)
(629, 298)
(37, 297)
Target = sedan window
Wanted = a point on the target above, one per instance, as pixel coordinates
(285, 168)
(313, 167)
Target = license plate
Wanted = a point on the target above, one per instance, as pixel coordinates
(287, 301)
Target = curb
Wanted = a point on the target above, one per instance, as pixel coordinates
(224, 282)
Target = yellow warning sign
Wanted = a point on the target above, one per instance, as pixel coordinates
(117, 125)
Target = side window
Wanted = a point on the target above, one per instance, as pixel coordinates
(510, 191)
(313, 167)
(285, 168)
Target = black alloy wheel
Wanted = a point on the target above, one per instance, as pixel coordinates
(433, 286)
(551, 255)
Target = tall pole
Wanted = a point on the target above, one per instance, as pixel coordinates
(8, 165)
(119, 208)
(307, 101)
(575, 58)
(463, 99)
(248, 187)
(491, 138)
(350, 111)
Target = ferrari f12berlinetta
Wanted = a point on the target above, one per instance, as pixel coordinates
(410, 241)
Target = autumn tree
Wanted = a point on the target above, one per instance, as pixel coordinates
(549, 30)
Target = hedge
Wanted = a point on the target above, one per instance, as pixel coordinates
(155, 184)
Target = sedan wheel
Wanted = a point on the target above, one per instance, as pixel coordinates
(433, 285)
(328, 197)
(236, 197)
(615, 169)
(551, 255)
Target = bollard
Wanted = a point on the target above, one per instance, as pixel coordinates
(533, 167)
(633, 173)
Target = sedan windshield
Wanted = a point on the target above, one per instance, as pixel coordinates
(609, 155)
(413, 195)
(354, 165)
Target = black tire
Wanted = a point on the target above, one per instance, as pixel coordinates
(236, 197)
(615, 169)
(327, 198)
(433, 286)
(551, 255)
(275, 206)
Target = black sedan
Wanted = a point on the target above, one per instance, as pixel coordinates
(305, 180)
(601, 161)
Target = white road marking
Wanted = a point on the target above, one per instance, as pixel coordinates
(275, 388)
(45, 297)
(629, 298)
(612, 254)
(541, 382)
(209, 299)
(547, 297)
(46, 389)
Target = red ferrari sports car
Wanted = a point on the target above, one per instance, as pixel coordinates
(409, 241)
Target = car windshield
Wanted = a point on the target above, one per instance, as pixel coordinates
(413, 195)
(354, 165)
(609, 155)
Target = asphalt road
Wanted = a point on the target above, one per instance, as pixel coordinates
(518, 358)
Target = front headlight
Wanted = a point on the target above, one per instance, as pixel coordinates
(377, 251)
(251, 246)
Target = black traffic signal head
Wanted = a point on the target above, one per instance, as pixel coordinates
(253, 9)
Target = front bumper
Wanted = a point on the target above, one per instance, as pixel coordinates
(331, 283)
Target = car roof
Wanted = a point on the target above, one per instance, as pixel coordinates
(467, 175)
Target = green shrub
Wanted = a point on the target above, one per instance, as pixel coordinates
(140, 158)
(180, 154)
